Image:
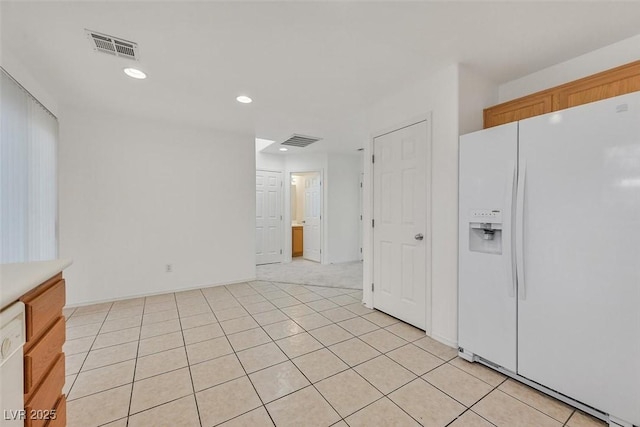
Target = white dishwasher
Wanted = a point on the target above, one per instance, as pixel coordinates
(12, 338)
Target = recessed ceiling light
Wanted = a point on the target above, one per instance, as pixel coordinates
(244, 99)
(135, 73)
(284, 149)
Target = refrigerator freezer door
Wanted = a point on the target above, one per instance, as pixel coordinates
(579, 325)
(486, 300)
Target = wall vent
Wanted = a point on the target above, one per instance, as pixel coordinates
(113, 45)
(300, 140)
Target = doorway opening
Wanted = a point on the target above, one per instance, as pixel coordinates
(306, 215)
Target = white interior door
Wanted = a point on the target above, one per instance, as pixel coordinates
(268, 217)
(400, 215)
(312, 229)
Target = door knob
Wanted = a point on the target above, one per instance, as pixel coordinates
(419, 236)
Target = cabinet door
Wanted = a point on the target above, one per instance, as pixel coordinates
(518, 109)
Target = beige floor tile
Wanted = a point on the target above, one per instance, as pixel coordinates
(305, 407)
(384, 412)
(330, 334)
(160, 328)
(206, 350)
(406, 332)
(90, 330)
(312, 321)
(77, 320)
(251, 299)
(283, 329)
(160, 343)
(223, 304)
(426, 404)
(159, 316)
(81, 345)
(338, 314)
(227, 401)
(309, 297)
(415, 359)
(344, 300)
(297, 345)
(506, 411)
(260, 357)
(322, 305)
(195, 309)
(197, 320)
(159, 306)
(275, 295)
(259, 307)
(246, 339)
(119, 324)
(277, 381)
(359, 309)
(179, 413)
(478, 370)
(550, 406)
(434, 347)
(159, 363)
(73, 362)
(287, 301)
(463, 387)
(99, 408)
(68, 382)
(93, 308)
(122, 422)
(216, 371)
(121, 313)
(354, 351)
(580, 419)
(380, 319)
(110, 355)
(116, 337)
(358, 326)
(230, 313)
(270, 317)
(101, 379)
(340, 424)
(256, 418)
(299, 310)
(382, 340)
(238, 325)
(470, 419)
(347, 392)
(319, 365)
(155, 299)
(160, 389)
(202, 333)
(68, 311)
(385, 374)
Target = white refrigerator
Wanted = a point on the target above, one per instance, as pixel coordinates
(549, 254)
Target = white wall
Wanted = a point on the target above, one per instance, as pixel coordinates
(343, 184)
(438, 95)
(476, 92)
(136, 195)
(599, 60)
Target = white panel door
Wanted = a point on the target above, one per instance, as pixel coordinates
(400, 212)
(486, 280)
(579, 278)
(268, 217)
(312, 224)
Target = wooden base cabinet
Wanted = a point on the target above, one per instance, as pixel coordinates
(44, 361)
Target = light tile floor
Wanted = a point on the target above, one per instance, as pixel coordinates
(259, 354)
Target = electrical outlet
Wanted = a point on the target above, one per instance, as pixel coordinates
(169, 268)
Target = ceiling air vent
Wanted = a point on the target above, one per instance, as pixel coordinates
(300, 140)
(113, 45)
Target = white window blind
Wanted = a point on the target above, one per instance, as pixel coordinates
(28, 176)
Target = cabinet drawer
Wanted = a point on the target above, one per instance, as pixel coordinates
(42, 307)
(46, 396)
(39, 358)
(60, 414)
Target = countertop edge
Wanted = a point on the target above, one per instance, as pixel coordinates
(19, 278)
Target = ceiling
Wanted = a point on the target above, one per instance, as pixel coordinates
(311, 67)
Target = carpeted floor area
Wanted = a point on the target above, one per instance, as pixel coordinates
(304, 272)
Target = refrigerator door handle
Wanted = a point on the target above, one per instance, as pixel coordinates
(509, 255)
(520, 231)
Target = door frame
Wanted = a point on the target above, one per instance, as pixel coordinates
(281, 208)
(368, 203)
(288, 233)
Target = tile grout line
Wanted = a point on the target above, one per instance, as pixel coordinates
(135, 365)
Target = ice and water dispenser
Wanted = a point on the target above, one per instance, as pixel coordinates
(485, 231)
